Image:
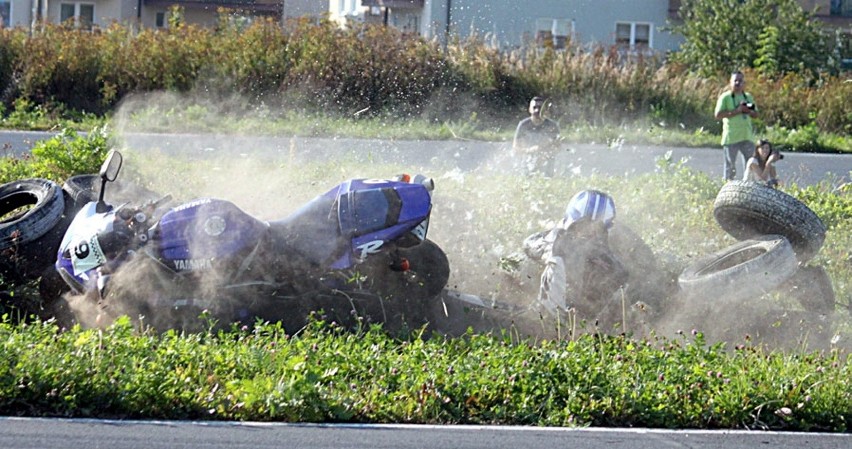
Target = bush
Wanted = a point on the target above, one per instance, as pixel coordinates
(60, 157)
(323, 68)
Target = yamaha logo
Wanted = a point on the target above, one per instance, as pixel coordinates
(214, 226)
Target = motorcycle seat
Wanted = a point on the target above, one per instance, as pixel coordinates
(312, 234)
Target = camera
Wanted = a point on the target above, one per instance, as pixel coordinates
(748, 105)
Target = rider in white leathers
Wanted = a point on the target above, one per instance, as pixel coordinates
(579, 267)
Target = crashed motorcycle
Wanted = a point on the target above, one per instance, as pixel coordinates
(362, 242)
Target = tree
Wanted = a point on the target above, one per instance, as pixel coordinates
(772, 36)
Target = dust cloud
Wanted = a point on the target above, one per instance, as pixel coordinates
(482, 211)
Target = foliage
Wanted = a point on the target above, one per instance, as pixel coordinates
(11, 43)
(726, 35)
(269, 72)
(785, 101)
(261, 372)
(323, 374)
(64, 155)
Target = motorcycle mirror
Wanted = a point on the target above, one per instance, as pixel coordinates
(109, 172)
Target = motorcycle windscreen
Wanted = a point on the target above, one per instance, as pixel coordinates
(205, 229)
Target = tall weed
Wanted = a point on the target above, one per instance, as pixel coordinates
(374, 71)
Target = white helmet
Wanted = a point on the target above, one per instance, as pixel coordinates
(593, 205)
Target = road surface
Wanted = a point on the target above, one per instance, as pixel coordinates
(576, 159)
(19, 433)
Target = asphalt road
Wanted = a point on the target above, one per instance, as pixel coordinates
(18, 433)
(576, 159)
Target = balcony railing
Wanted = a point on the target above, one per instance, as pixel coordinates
(249, 5)
(401, 4)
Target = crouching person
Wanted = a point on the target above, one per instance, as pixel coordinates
(580, 270)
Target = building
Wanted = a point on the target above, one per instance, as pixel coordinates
(149, 13)
(634, 25)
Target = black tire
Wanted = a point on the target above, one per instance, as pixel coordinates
(428, 274)
(87, 188)
(27, 243)
(746, 209)
(811, 286)
(741, 271)
(82, 189)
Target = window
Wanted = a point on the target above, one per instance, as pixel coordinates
(5, 13)
(631, 35)
(553, 33)
(841, 8)
(408, 23)
(160, 20)
(83, 14)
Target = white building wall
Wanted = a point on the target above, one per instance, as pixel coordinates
(20, 13)
(509, 23)
(301, 8)
(342, 11)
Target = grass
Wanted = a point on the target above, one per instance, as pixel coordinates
(324, 374)
(264, 120)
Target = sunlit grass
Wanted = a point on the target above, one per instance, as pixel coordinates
(324, 374)
(320, 373)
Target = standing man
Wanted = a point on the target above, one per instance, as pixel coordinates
(735, 107)
(536, 140)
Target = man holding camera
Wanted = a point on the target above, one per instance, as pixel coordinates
(735, 107)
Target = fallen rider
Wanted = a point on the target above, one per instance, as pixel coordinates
(581, 272)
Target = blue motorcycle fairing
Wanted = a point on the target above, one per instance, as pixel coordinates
(80, 253)
(368, 205)
(354, 219)
(373, 211)
(190, 236)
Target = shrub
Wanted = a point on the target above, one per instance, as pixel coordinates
(319, 67)
(64, 155)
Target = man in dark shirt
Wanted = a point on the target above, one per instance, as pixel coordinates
(536, 140)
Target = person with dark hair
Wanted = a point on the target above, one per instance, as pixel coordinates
(760, 167)
(536, 139)
(735, 107)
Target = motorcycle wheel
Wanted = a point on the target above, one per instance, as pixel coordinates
(427, 276)
(31, 209)
(741, 271)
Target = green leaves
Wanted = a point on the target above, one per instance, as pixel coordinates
(369, 376)
(726, 35)
(69, 153)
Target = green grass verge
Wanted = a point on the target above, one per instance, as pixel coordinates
(323, 374)
(195, 118)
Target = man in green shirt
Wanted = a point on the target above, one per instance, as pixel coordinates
(735, 107)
